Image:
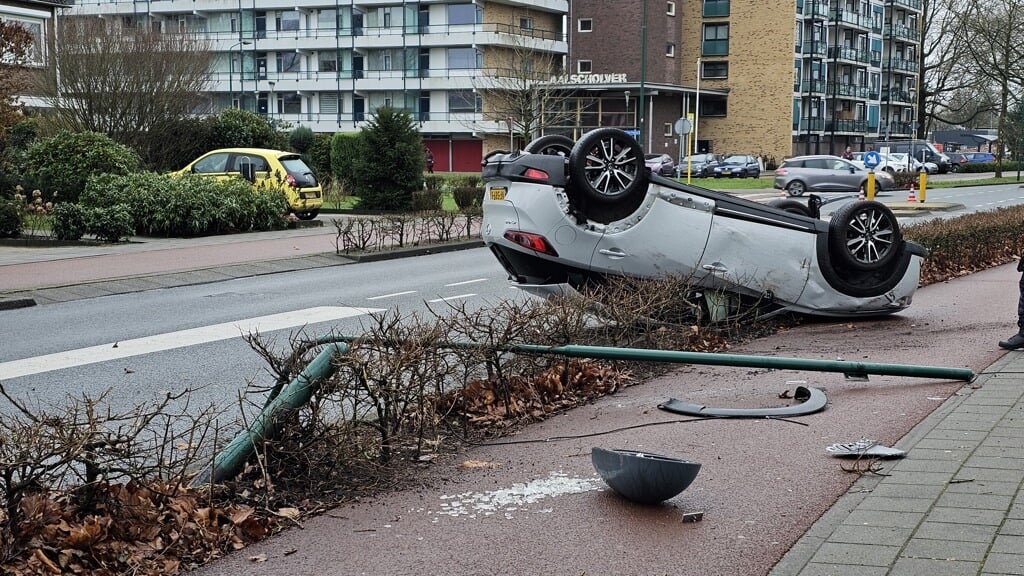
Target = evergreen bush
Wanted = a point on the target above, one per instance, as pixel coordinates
(68, 221)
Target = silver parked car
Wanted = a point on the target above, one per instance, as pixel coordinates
(826, 174)
(563, 215)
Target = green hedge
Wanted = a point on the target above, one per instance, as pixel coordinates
(165, 205)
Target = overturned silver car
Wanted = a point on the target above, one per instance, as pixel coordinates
(563, 214)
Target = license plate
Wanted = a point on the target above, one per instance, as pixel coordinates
(727, 172)
(498, 193)
(309, 194)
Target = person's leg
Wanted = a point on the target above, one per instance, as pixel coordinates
(1016, 341)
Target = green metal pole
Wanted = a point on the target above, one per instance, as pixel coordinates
(678, 357)
(232, 458)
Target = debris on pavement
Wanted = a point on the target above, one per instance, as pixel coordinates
(864, 447)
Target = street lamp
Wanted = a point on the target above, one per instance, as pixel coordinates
(270, 103)
(231, 70)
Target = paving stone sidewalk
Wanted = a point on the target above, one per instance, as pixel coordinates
(953, 506)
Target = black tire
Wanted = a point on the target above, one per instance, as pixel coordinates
(307, 215)
(864, 235)
(791, 206)
(607, 166)
(796, 188)
(554, 144)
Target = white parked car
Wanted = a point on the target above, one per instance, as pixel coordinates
(588, 210)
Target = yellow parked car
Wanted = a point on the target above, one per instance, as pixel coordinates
(258, 165)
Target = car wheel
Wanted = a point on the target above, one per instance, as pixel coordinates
(889, 170)
(607, 166)
(864, 235)
(796, 188)
(554, 144)
(307, 215)
(791, 206)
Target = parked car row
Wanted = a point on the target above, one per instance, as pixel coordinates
(719, 166)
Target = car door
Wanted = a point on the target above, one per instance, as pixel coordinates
(666, 236)
(846, 176)
(214, 165)
(240, 161)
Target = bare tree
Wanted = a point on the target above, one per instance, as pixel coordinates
(521, 89)
(946, 77)
(127, 83)
(15, 46)
(992, 32)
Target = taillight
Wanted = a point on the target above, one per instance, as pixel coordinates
(534, 242)
(780, 171)
(291, 181)
(535, 174)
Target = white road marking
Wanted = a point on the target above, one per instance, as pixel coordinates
(474, 281)
(179, 339)
(451, 298)
(381, 297)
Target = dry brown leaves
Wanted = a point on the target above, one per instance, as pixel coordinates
(128, 528)
(562, 386)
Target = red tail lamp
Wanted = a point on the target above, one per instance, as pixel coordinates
(535, 174)
(534, 242)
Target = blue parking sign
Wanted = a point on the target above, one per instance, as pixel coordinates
(872, 159)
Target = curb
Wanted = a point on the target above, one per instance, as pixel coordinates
(15, 303)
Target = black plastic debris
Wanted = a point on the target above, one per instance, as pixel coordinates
(641, 476)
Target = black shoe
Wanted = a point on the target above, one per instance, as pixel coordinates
(1014, 342)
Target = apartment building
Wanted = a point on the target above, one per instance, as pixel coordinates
(327, 64)
(773, 78)
(805, 76)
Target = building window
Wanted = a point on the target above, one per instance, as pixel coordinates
(288, 62)
(464, 14)
(667, 129)
(288, 20)
(585, 25)
(584, 66)
(290, 103)
(714, 69)
(463, 101)
(670, 8)
(464, 58)
(716, 40)
(713, 106)
(716, 8)
(526, 23)
(670, 50)
(328, 62)
(34, 54)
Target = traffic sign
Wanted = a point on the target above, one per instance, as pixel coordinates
(872, 159)
(682, 126)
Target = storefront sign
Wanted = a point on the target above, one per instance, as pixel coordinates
(589, 79)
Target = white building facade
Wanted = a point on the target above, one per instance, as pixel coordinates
(328, 65)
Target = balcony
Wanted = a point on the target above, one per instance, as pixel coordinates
(849, 54)
(812, 87)
(839, 125)
(811, 125)
(902, 32)
(902, 65)
(897, 96)
(816, 10)
(912, 4)
(897, 129)
(814, 48)
(850, 18)
(849, 91)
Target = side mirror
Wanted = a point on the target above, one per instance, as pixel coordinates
(248, 171)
